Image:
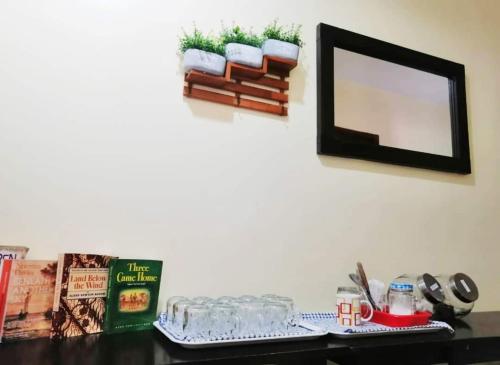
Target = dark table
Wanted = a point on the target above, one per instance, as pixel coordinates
(477, 339)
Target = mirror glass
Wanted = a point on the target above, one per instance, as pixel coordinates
(390, 104)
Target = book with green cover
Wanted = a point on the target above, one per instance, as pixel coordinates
(133, 289)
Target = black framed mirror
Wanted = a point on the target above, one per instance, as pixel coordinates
(382, 102)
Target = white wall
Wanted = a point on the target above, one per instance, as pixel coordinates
(100, 152)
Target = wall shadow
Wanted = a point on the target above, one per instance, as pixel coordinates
(204, 109)
(297, 81)
(208, 110)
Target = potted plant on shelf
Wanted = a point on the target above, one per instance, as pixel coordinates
(202, 53)
(242, 47)
(281, 42)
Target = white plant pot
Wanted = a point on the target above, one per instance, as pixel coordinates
(275, 48)
(212, 63)
(244, 54)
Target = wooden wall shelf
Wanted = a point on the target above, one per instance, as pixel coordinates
(268, 84)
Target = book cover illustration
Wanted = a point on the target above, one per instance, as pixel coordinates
(133, 290)
(80, 295)
(28, 287)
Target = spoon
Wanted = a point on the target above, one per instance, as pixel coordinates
(364, 283)
(356, 280)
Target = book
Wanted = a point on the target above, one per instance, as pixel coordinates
(80, 295)
(13, 252)
(133, 290)
(27, 288)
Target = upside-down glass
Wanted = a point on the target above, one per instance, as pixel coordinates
(251, 315)
(275, 317)
(197, 321)
(170, 307)
(291, 313)
(270, 296)
(225, 300)
(202, 300)
(224, 321)
(247, 298)
(178, 318)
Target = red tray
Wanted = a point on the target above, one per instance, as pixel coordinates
(393, 320)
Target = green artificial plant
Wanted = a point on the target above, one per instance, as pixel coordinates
(292, 34)
(197, 40)
(238, 35)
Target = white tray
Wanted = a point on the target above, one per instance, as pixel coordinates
(313, 333)
(327, 321)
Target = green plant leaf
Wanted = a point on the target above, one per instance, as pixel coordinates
(237, 34)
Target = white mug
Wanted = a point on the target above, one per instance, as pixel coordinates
(348, 308)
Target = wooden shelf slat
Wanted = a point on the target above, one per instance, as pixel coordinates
(197, 77)
(265, 81)
(209, 96)
(241, 70)
(281, 63)
(278, 66)
(257, 92)
(263, 107)
(234, 101)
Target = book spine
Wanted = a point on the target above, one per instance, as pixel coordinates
(59, 275)
(1, 268)
(107, 311)
(4, 285)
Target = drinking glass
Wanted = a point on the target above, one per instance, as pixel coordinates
(247, 298)
(224, 321)
(251, 315)
(170, 307)
(201, 300)
(269, 296)
(292, 317)
(197, 321)
(225, 300)
(275, 318)
(179, 316)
